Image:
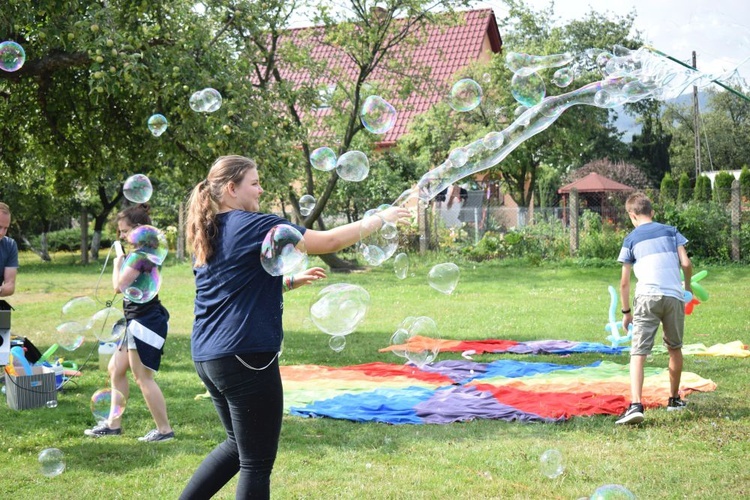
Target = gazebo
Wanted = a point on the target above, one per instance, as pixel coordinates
(596, 193)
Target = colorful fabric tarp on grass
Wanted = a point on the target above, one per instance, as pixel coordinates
(462, 390)
(559, 347)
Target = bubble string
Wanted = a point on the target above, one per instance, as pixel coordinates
(111, 301)
(629, 76)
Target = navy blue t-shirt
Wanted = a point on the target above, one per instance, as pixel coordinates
(238, 305)
(8, 255)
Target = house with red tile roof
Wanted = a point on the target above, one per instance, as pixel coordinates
(438, 58)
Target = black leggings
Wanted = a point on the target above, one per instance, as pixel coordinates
(250, 404)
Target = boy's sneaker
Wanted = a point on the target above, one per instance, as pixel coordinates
(676, 404)
(633, 415)
(102, 430)
(155, 436)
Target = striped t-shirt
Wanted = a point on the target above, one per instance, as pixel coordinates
(652, 250)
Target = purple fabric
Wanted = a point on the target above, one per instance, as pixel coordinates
(459, 371)
(563, 347)
(462, 403)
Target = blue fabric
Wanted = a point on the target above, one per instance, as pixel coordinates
(156, 318)
(238, 305)
(515, 369)
(8, 255)
(392, 406)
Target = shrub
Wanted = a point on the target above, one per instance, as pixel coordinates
(684, 191)
(702, 191)
(745, 183)
(723, 187)
(706, 226)
(668, 189)
(69, 240)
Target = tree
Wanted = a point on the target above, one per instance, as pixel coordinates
(579, 135)
(723, 187)
(684, 192)
(702, 191)
(622, 172)
(668, 189)
(650, 149)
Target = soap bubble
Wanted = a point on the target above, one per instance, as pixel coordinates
(307, 204)
(465, 95)
(401, 265)
(70, 335)
(528, 90)
(52, 462)
(459, 157)
(612, 492)
(147, 281)
(378, 238)
(337, 343)
(421, 336)
(107, 404)
(108, 324)
(377, 115)
(52, 403)
(338, 309)
(12, 56)
(563, 77)
(323, 159)
(137, 188)
(353, 166)
(151, 242)
(207, 100)
(283, 251)
(444, 277)
(157, 124)
(80, 310)
(550, 463)
(493, 140)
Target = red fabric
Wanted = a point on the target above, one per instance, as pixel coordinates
(557, 404)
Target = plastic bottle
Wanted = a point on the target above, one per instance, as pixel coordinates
(106, 350)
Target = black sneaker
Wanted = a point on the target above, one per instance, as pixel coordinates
(633, 415)
(102, 430)
(155, 436)
(676, 404)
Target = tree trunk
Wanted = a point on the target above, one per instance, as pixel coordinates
(339, 265)
(84, 237)
(96, 242)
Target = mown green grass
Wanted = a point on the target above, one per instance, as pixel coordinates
(700, 453)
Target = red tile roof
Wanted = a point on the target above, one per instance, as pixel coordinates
(442, 53)
(594, 183)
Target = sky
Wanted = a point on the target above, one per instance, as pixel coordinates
(717, 30)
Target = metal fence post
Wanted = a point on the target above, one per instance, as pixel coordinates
(735, 207)
(575, 205)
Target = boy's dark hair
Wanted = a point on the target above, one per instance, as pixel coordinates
(639, 204)
(136, 215)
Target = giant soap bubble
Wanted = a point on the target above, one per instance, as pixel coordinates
(421, 340)
(80, 310)
(353, 166)
(150, 241)
(108, 324)
(140, 276)
(401, 265)
(157, 124)
(528, 90)
(207, 100)
(466, 94)
(444, 277)
(283, 251)
(51, 462)
(107, 404)
(612, 492)
(378, 238)
(70, 335)
(551, 463)
(338, 309)
(12, 56)
(323, 159)
(378, 115)
(137, 188)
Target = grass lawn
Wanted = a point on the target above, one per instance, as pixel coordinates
(699, 453)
